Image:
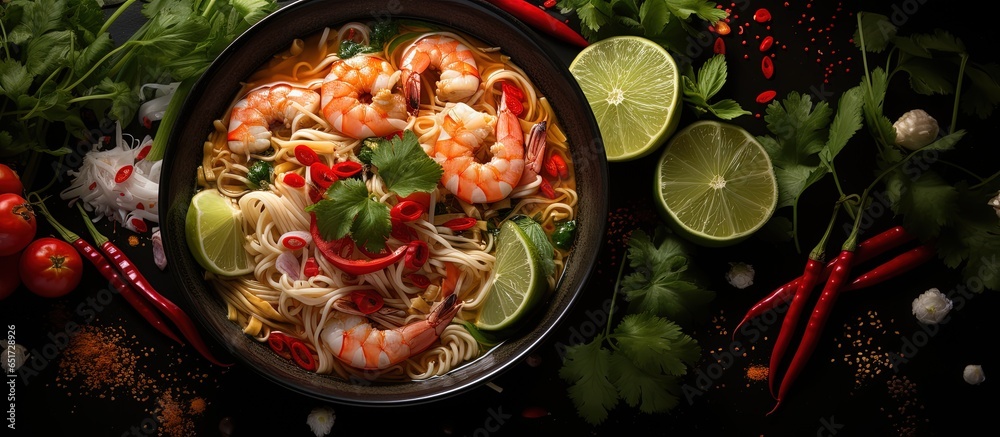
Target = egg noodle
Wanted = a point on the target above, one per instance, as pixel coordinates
(269, 300)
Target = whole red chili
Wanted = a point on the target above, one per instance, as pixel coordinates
(460, 223)
(406, 211)
(416, 254)
(346, 169)
(868, 249)
(767, 67)
(540, 20)
(322, 175)
(902, 263)
(719, 47)
(306, 155)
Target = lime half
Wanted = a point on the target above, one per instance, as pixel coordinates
(517, 283)
(715, 184)
(634, 89)
(215, 235)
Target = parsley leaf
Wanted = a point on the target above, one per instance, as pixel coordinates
(586, 368)
(661, 283)
(405, 167)
(700, 87)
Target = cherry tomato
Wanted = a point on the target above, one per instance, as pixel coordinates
(50, 267)
(9, 181)
(17, 223)
(11, 278)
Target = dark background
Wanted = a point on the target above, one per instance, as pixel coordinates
(719, 398)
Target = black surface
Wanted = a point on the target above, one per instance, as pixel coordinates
(827, 401)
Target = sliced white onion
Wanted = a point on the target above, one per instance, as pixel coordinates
(159, 257)
(295, 240)
(288, 264)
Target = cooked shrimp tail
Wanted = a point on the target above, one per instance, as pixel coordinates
(253, 116)
(534, 153)
(459, 77)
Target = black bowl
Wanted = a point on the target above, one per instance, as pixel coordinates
(219, 86)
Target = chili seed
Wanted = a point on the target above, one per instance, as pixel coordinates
(767, 67)
(766, 96)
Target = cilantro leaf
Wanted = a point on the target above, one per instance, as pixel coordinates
(405, 167)
(656, 344)
(14, 78)
(700, 87)
(335, 214)
(586, 369)
(661, 283)
(925, 200)
(727, 109)
(845, 124)
(875, 32)
(372, 225)
(927, 76)
(652, 392)
(983, 94)
(799, 135)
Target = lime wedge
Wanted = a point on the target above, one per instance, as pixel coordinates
(715, 184)
(517, 283)
(634, 89)
(215, 236)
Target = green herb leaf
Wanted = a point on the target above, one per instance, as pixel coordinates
(983, 94)
(661, 283)
(928, 76)
(372, 225)
(700, 87)
(586, 369)
(925, 200)
(405, 167)
(845, 124)
(652, 392)
(727, 109)
(335, 214)
(876, 32)
(799, 135)
(656, 344)
(14, 78)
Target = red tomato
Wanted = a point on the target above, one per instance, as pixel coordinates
(17, 223)
(51, 267)
(9, 181)
(10, 277)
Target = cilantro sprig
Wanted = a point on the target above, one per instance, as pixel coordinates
(348, 206)
(701, 86)
(642, 360)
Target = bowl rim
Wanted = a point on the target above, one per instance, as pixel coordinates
(585, 259)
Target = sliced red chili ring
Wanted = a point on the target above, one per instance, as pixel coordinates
(302, 355)
(406, 211)
(546, 188)
(416, 254)
(124, 173)
(322, 175)
(460, 224)
(315, 194)
(367, 301)
(346, 169)
(418, 280)
(143, 152)
(311, 267)
(766, 43)
(278, 343)
(767, 67)
(294, 180)
(762, 15)
(306, 155)
(140, 224)
(719, 47)
(766, 96)
(402, 232)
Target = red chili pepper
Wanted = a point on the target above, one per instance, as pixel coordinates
(293, 180)
(311, 267)
(367, 301)
(406, 211)
(332, 251)
(540, 20)
(306, 155)
(278, 342)
(346, 169)
(416, 254)
(322, 175)
(140, 224)
(315, 194)
(546, 188)
(766, 96)
(512, 96)
(402, 232)
(556, 167)
(719, 47)
(302, 355)
(143, 152)
(766, 43)
(868, 249)
(549, 3)
(767, 67)
(762, 15)
(418, 280)
(460, 224)
(135, 278)
(424, 199)
(817, 321)
(123, 173)
(902, 263)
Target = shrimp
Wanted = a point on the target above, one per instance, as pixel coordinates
(534, 154)
(251, 120)
(459, 74)
(355, 342)
(463, 130)
(346, 91)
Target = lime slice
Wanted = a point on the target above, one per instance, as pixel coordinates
(634, 89)
(715, 184)
(517, 283)
(215, 236)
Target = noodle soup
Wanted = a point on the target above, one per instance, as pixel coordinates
(371, 169)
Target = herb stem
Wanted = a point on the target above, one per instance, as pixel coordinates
(958, 92)
(118, 12)
(614, 295)
(960, 168)
(95, 66)
(985, 181)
